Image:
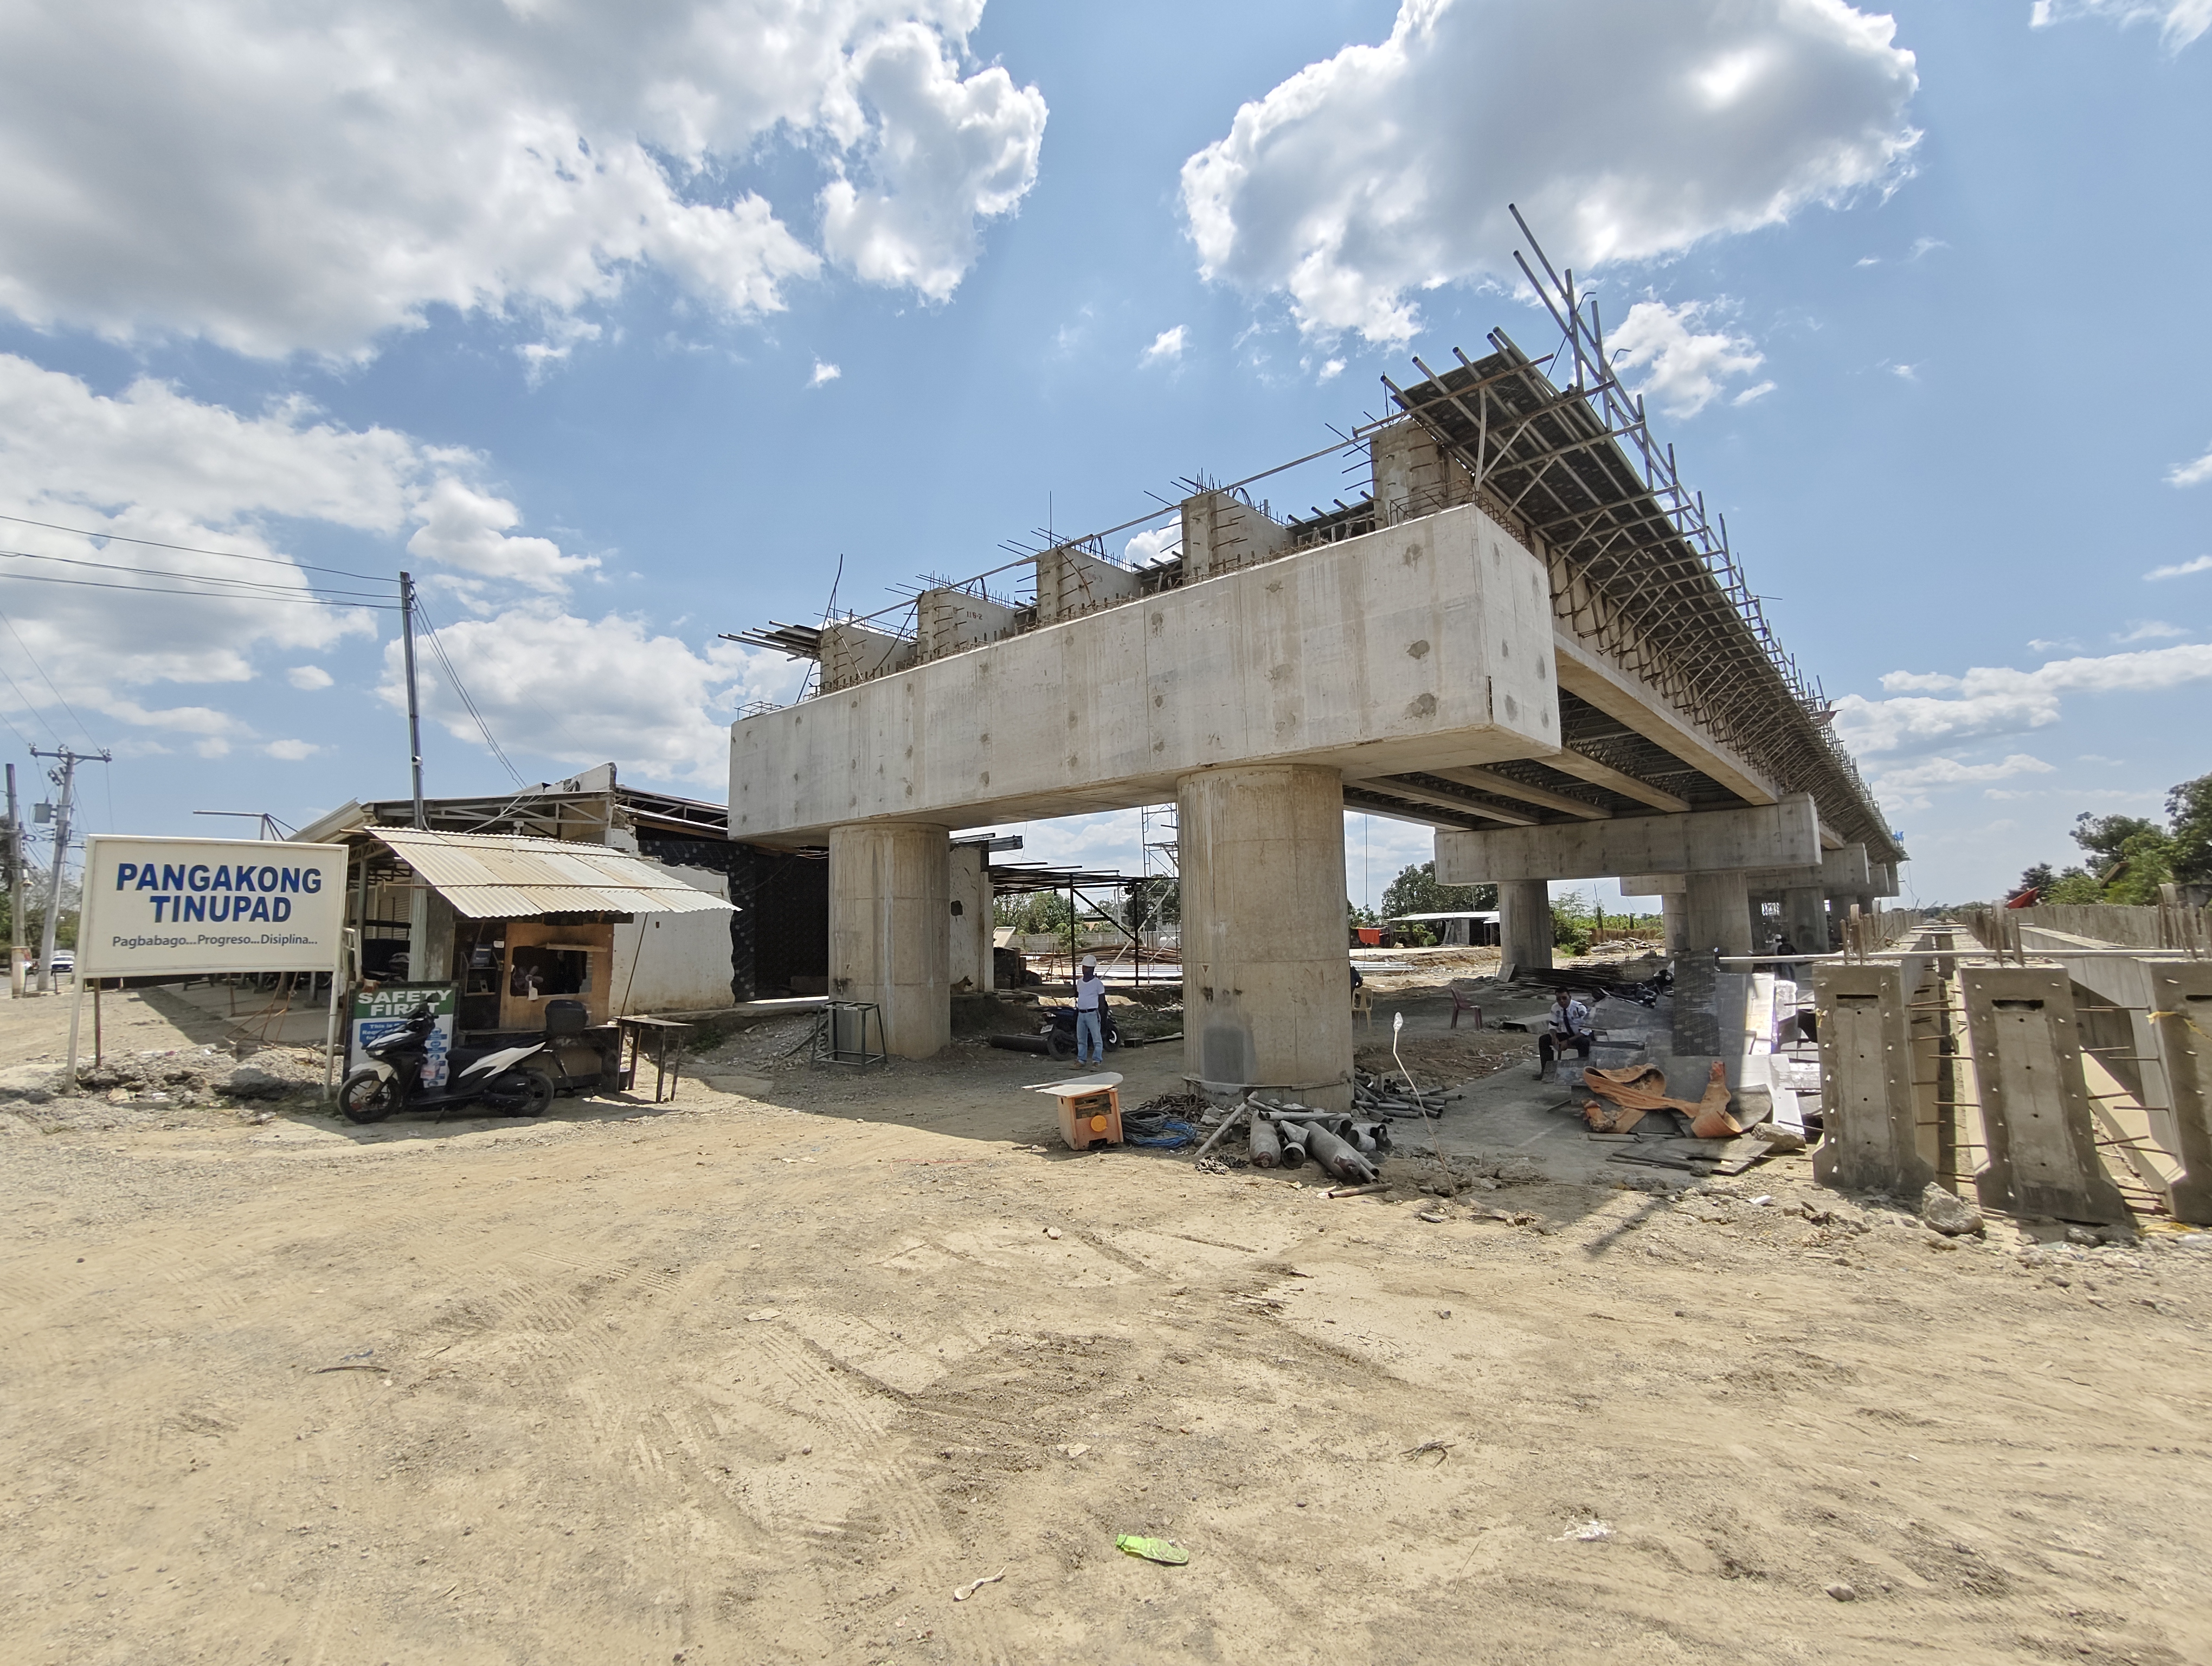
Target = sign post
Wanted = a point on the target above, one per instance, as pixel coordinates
(192, 907)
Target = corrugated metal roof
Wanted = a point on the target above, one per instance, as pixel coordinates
(504, 876)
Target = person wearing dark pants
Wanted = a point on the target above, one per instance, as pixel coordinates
(1565, 1026)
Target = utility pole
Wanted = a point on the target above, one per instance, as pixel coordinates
(414, 707)
(65, 778)
(15, 891)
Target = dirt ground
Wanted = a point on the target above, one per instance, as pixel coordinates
(772, 1377)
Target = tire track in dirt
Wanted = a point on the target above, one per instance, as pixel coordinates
(900, 1495)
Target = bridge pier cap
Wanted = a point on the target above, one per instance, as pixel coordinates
(1783, 834)
(1422, 645)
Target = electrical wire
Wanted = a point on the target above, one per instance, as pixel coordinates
(41, 670)
(193, 549)
(248, 585)
(205, 595)
(430, 632)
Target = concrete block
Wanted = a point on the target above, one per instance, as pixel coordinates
(2182, 1024)
(1783, 834)
(1222, 533)
(949, 621)
(1070, 582)
(2042, 1157)
(853, 653)
(1866, 1103)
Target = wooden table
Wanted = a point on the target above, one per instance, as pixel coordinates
(632, 1033)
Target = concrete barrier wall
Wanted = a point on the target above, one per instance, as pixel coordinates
(2123, 927)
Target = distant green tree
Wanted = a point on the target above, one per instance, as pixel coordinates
(1415, 890)
(1152, 903)
(2039, 879)
(2188, 809)
(1032, 912)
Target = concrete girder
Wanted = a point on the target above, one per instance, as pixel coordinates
(1505, 786)
(1570, 762)
(1419, 794)
(1588, 673)
(1783, 833)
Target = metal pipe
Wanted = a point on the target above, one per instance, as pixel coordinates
(1267, 1145)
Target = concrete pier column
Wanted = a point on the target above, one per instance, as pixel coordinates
(1671, 916)
(1716, 914)
(1266, 980)
(1524, 922)
(1805, 917)
(890, 904)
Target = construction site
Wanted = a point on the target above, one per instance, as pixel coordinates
(1813, 1280)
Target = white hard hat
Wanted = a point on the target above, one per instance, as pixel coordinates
(1090, 963)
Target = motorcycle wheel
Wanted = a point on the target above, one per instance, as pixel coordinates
(368, 1095)
(1060, 1045)
(523, 1093)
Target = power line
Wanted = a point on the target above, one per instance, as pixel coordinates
(293, 591)
(41, 670)
(205, 595)
(430, 632)
(193, 550)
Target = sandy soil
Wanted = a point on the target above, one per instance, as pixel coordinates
(765, 1380)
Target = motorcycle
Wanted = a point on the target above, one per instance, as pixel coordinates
(1059, 1032)
(495, 1078)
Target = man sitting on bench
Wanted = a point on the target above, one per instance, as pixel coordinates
(1566, 1025)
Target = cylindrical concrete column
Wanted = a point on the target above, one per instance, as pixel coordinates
(1716, 914)
(1524, 922)
(890, 903)
(1671, 919)
(1266, 985)
(1805, 917)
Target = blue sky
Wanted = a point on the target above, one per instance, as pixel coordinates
(621, 326)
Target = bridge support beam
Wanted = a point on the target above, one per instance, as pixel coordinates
(1524, 923)
(891, 896)
(1267, 988)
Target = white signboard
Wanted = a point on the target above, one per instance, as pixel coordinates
(157, 908)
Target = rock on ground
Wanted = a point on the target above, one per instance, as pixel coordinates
(1949, 1213)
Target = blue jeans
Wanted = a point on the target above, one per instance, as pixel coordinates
(1090, 1040)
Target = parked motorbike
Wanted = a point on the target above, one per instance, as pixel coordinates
(1059, 1032)
(496, 1078)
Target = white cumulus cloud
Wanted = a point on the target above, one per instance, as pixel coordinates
(2192, 474)
(824, 373)
(581, 691)
(1683, 367)
(1167, 346)
(309, 176)
(111, 619)
(2180, 569)
(2180, 22)
(1625, 131)
(1908, 787)
(1998, 699)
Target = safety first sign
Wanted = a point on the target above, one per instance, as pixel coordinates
(178, 907)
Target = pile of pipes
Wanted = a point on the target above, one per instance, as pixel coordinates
(1378, 1096)
(1286, 1136)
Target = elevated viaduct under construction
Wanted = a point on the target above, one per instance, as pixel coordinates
(1527, 633)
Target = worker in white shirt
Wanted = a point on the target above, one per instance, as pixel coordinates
(1089, 1013)
(1566, 1025)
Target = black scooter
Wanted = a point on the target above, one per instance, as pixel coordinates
(494, 1078)
(1059, 1032)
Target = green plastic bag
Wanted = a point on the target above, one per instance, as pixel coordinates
(1152, 1550)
